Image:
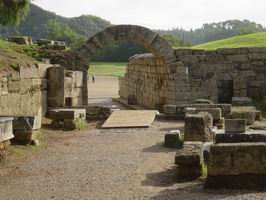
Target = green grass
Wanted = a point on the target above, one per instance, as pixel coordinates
(12, 54)
(107, 69)
(250, 40)
(29, 50)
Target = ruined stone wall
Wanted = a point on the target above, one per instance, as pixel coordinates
(24, 91)
(65, 87)
(223, 73)
(218, 75)
(153, 82)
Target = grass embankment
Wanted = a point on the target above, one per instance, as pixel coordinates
(107, 69)
(250, 40)
(12, 54)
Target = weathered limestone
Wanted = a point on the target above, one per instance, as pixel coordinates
(24, 91)
(198, 127)
(215, 112)
(188, 160)
(65, 87)
(237, 165)
(247, 113)
(6, 131)
(68, 118)
(235, 126)
(96, 112)
(236, 159)
(152, 82)
(173, 139)
(237, 73)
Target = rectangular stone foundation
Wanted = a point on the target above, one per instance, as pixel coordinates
(237, 165)
(188, 160)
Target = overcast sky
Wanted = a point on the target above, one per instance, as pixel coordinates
(161, 14)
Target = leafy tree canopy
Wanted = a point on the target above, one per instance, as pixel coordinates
(61, 31)
(13, 11)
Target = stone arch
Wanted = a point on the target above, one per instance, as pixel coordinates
(152, 41)
(149, 39)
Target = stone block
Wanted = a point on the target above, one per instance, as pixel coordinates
(248, 136)
(226, 109)
(56, 85)
(169, 109)
(73, 124)
(6, 128)
(14, 104)
(28, 72)
(79, 79)
(42, 70)
(4, 86)
(237, 58)
(237, 165)
(198, 127)
(237, 158)
(188, 160)
(246, 114)
(67, 113)
(173, 139)
(215, 112)
(14, 86)
(235, 126)
(241, 101)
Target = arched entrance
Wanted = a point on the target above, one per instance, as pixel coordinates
(152, 41)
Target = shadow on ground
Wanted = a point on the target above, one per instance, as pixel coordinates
(196, 191)
(158, 148)
(165, 178)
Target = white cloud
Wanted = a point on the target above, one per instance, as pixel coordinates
(162, 14)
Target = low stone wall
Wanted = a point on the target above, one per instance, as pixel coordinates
(217, 75)
(153, 82)
(24, 91)
(223, 73)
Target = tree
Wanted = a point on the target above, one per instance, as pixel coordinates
(12, 12)
(175, 42)
(60, 31)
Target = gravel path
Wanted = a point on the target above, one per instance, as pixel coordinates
(97, 164)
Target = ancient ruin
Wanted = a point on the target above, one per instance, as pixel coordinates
(210, 93)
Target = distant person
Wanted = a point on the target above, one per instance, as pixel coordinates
(93, 79)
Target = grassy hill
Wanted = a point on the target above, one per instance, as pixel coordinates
(35, 24)
(12, 54)
(250, 40)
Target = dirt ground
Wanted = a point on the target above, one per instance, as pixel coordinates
(104, 86)
(98, 164)
(105, 164)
